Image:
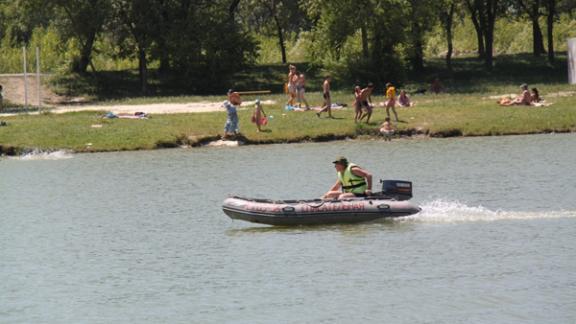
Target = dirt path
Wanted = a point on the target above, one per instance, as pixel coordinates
(14, 91)
(157, 108)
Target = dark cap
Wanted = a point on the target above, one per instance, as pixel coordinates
(341, 160)
(230, 91)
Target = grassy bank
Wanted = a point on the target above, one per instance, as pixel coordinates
(434, 115)
(464, 110)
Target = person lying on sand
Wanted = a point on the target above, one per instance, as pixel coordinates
(136, 115)
(524, 99)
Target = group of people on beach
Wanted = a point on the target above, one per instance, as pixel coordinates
(231, 127)
(525, 98)
(363, 107)
(295, 88)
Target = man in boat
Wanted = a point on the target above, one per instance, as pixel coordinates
(352, 180)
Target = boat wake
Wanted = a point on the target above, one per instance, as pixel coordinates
(41, 155)
(442, 211)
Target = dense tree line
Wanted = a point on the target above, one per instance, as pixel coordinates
(208, 40)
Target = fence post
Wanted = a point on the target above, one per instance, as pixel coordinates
(25, 78)
(38, 85)
(572, 61)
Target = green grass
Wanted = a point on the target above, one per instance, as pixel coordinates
(465, 110)
(435, 115)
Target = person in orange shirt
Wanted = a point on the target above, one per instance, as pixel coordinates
(391, 100)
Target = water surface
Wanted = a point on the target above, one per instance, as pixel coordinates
(139, 237)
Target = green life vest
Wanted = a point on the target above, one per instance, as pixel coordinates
(351, 182)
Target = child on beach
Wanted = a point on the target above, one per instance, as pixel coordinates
(403, 100)
(292, 84)
(387, 129)
(259, 116)
(301, 90)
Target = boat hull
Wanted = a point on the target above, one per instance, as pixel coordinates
(315, 212)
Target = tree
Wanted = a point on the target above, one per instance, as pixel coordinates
(421, 17)
(274, 17)
(551, 13)
(363, 44)
(273, 10)
(21, 17)
(474, 16)
(532, 9)
(200, 41)
(82, 19)
(484, 14)
(446, 11)
(140, 18)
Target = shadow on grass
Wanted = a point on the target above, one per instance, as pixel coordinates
(19, 110)
(467, 76)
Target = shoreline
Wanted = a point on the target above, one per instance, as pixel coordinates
(199, 123)
(13, 151)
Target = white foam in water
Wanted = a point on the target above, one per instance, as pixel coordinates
(441, 211)
(40, 155)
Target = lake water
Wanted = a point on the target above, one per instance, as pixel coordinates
(140, 237)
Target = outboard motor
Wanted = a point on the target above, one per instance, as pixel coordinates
(397, 189)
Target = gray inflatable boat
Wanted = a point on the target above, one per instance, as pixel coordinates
(390, 203)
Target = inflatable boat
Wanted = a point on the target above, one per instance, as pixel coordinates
(390, 203)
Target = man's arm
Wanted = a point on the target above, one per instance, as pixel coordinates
(364, 174)
(336, 186)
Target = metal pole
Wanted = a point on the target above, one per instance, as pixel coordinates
(25, 79)
(38, 76)
(572, 61)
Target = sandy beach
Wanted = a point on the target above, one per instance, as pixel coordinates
(157, 108)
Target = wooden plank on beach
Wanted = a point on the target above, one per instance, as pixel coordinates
(253, 92)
